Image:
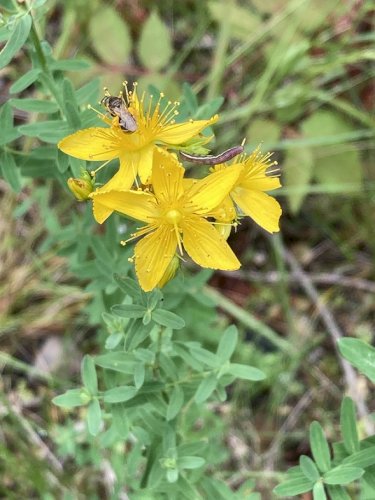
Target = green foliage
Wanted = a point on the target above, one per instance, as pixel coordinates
(359, 354)
(326, 477)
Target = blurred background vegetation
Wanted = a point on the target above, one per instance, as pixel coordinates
(297, 76)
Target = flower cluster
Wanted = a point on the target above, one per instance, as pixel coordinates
(180, 214)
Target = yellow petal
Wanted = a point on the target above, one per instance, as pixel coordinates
(153, 254)
(167, 174)
(261, 207)
(208, 193)
(122, 180)
(136, 204)
(91, 144)
(206, 246)
(144, 160)
(182, 132)
(259, 183)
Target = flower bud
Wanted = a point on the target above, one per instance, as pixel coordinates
(169, 272)
(81, 188)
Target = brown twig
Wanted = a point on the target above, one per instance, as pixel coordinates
(316, 278)
(335, 332)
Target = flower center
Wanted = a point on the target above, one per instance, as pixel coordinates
(173, 217)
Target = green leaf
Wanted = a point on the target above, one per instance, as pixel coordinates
(139, 375)
(117, 361)
(205, 388)
(62, 161)
(176, 402)
(113, 340)
(263, 130)
(359, 354)
(155, 46)
(10, 171)
(309, 468)
(246, 372)
(16, 40)
(25, 81)
(6, 117)
(298, 168)
(343, 474)
(209, 108)
(110, 37)
(70, 104)
(88, 92)
(369, 477)
(227, 343)
(88, 374)
(337, 493)
(120, 394)
(94, 417)
(128, 286)
(363, 459)
(204, 356)
(34, 105)
(319, 447)
(337, 167)
(70, 65)
(294, 486)
(120, 420)
(168, 319)
(70, 399)
(349, 426)
(190, 98)
(188, 462)
(318, 491)
(129, 311)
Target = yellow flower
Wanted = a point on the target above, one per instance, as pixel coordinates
(134, 149)
(175, 217)
(248, 192)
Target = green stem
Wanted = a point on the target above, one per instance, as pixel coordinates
(46, 78)
(218, 67)
(249, 320)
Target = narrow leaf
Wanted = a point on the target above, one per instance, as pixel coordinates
(16, 40)
(349, 426)
(10, 171)
(120, 394)
(69, 399)
(168, 319)
(246, 372)
(343, 474)
(94, 417)
(88, 374)
(319, 447)
(176, 402)
(318, 491)
(24, 81)
(309, 468)
(359, 354)
(294, 486)
(129, 311)
(227, 343)
(205, 388)
(337, 493)
(190, 462)
(34, 105)
(364, 458)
